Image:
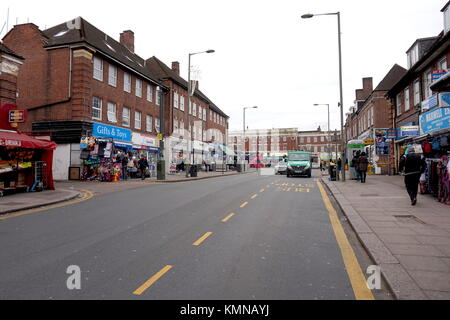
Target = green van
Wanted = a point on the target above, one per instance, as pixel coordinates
(299, 163)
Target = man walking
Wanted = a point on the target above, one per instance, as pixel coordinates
(143, 165)
(363, 164)
(412, 165)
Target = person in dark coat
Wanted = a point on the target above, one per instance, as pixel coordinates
(143, 165)
(412, 166)
(124, 166)
(356, 166)
(363, 164)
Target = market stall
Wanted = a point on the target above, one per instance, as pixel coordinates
(25, 163)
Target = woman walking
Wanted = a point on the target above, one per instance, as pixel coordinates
(363, 164)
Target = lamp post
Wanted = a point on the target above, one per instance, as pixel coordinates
(329, 136)
(338, 14)
(245, 148)
(191, 93)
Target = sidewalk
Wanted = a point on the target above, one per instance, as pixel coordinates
(24, 201)
(410, 244)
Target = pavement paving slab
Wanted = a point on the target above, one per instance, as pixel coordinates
(411, 244)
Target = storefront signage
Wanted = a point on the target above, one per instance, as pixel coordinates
(430, 102)
(437, 74)
(17, 116)
(141, 140)
(407, 131)
(444, 99)
(9, 143)
(369, 141)
(392, 134)
(105, 131)
(435, 120)
(381, 145)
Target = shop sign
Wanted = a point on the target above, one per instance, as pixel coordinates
(435, 120)
(407, 131)
(106, 131)
(444, 99)
(9, 143)
(437, 74)
(369, 141)
(17, 116)
(392, 134)
(144, 141)
(382, 146)
(430, 102)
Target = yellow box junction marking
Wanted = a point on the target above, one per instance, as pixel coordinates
(254, 196)
(355, 274)
(152, 280)
(231, 215)
(201, 239)
(244, 204)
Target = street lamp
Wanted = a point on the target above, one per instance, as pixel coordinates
(329, 137)
(245, 148)
(191, 93)
(338, 14)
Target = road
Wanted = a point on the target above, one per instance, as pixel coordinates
(239, 237)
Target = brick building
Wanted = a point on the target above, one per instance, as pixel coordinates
(78, 81)
(412, 97)
(371, 115)
(10, 64)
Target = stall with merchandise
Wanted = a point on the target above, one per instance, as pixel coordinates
(25, 163)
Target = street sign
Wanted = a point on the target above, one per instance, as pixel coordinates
(17, 116)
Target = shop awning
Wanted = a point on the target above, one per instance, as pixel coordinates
(20, 140)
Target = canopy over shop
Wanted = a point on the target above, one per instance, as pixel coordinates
(25, 162)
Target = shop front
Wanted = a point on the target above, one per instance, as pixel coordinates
(147, 146)
(102, 153)
(25, 163)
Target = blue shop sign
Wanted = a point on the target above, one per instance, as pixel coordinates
(435, 120)
(106, 131)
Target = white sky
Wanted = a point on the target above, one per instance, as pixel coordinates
(266, 55)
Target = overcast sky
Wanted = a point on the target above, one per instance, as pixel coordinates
(266, 55)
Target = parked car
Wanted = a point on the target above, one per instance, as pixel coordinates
(257, 162)
(281, 167)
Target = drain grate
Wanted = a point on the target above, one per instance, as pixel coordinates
(409, 219)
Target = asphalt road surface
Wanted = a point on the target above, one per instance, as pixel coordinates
(239, 237)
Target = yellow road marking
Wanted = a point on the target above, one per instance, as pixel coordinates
(262, 190)
(244, 204)
(201, 239)
(231, 215)
(254, 196)
(355, 274)
(152, 280)
(86, 196)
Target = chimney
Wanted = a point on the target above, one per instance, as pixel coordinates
(367, 86)
(127, 39)
(176, 67)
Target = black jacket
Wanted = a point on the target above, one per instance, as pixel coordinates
(412, 163)
(143, 164)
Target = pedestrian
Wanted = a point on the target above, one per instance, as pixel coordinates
(143, 165)
(321, 166)
(339, 168)
(355, 165)
(363, 163)
(124, 166)
(412, 166)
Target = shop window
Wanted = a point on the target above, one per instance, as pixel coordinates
(75, 153)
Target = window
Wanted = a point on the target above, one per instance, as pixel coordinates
(181, 127)
(447, 19)
(139, 88)
(204, 114)
(149, 123)
(413, 56)
(210, 116)
(157, 125)
(149, 93)
(427, 91)
(308, 140)
(200, 112)
(96, 108)
(126, 117)
(137, 120)
(399, 104)
(158, 96)
(175, 125)
(442, 65)
(112, 76)
(112, 109)
(416, 92)
(194, 110)
(315, 140)
(98, 69)
(407, 99)
(127, 82)
(284, 139)
(175, 100)
(182, 103)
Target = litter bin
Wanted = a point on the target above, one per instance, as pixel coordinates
(193, 171)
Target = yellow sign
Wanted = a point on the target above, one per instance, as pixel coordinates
(160, 136)
(369, 142)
